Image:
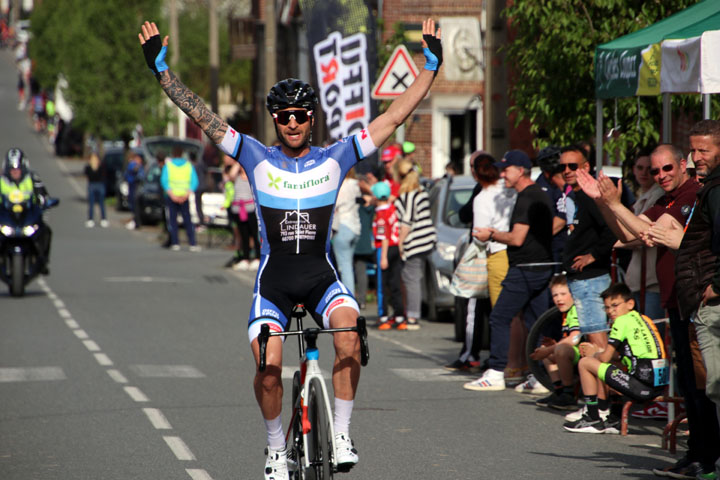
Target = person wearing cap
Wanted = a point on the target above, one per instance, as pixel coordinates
(389, 157)
(387, 235)
(552, 182)
(525, 286)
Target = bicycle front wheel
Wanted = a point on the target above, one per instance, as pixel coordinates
(319, 443)
(549, 324)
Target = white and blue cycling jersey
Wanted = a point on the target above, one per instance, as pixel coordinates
(295, 200)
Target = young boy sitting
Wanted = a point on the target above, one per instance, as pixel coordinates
(560, 357)
(635, 341)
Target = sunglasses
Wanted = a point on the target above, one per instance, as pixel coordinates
(283, 117)
(665, 168)
(571, 166)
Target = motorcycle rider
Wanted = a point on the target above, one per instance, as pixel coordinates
(18, 178)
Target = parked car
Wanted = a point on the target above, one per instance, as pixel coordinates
(149, 199)
(446, 197)
(114, 159)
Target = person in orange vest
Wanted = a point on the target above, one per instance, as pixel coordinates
(178, 179)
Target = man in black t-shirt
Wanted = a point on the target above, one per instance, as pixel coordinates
(529, 256)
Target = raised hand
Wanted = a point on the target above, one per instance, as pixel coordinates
(588, 184)
(432, 48)
(609, 192)
(153, 49)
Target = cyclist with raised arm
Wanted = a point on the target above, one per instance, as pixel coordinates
(295, 187)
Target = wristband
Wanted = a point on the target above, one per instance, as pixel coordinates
(433, 53)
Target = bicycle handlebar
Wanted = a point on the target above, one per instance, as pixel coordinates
(360, 328)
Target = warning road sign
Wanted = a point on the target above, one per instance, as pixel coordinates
(396, 77)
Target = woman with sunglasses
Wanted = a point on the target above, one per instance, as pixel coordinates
(295, 186)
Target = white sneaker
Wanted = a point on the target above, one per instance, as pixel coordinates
(104, 223)
(490, 381)
(90, 224)
(195, 248)
(254, 264)
(276, 464)
(577, 415)
(531, 386)
(175, 248)
(130, 225)
(241, 265)
(345, 451)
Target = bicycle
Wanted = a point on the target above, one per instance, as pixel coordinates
(312, 446)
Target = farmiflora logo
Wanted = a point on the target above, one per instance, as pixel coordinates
(275, 182)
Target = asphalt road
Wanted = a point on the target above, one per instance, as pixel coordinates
(131, 362)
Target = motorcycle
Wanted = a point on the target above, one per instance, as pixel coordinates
(23, 237)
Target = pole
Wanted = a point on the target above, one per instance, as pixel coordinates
(598, 134)
(270, 62)
(214, 55)
(667, 122)
(706, 106)
(175, 129)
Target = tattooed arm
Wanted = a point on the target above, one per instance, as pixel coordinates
(155, 51)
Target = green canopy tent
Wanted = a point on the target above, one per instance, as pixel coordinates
(632, 64)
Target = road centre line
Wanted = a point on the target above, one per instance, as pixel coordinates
(59, 304)
(116, 375)
(81, 334)
(103, 359)
(198, 474)
(136, 394)
(91, 345)
(64, 313)
(71, 323)
(157, 419)
(179, 448)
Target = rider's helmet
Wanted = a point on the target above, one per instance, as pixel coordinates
(15, 158)
(291, 92)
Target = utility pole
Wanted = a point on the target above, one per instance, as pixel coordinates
(177, 129)
(214, 56)
(270, 63)
(496, 96)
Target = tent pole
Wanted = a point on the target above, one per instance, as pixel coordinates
(706, 106)
(598, 134)
(667, 123)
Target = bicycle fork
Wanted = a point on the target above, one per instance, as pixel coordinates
(310, 369)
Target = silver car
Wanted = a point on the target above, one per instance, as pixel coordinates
(447, 195)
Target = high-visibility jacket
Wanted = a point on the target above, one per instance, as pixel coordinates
(179, 177)
(17, 192)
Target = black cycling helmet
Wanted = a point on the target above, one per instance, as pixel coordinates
(549, 159)
(291, 92)
(15, 158)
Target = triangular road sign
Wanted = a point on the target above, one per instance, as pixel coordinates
(396, 77)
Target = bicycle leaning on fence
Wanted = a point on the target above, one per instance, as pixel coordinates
(310, 436)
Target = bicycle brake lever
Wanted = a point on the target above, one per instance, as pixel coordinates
(362, 333)
(262, 340)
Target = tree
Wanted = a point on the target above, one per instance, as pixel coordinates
(551, 59)
(95, 46)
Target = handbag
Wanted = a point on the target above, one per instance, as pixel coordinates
(470, 278)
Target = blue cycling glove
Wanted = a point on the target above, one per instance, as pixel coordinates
(155, 52)
(433, 53)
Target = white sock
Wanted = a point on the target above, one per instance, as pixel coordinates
(275, 436)
(343, 411)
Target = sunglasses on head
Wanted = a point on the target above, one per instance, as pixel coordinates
(665, 168)
(571, 166)
(283, 117)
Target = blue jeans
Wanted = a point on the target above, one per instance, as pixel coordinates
(343, 244)
(96, 194)
(184, 210)
(590, 307)
(524, 290)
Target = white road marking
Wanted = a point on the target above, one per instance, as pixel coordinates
(429, 375)
(178, 447)
(117, 376)
(420, 353)
(103, 359)
(80, 333)
(31, 374)
(59, 304)
(160, 371)
(136, 394)
(64, 313)
(198, 474)
(91, 345)
(73, 183)
(157, 419)
(71, 323)
(146, 279)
